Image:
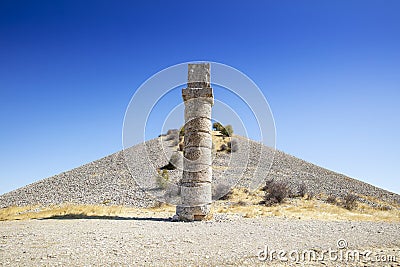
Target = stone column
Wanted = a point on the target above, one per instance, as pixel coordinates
(197, 155)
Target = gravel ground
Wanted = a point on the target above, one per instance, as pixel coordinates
(146, 239)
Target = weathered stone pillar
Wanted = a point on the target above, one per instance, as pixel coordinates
(197, 152)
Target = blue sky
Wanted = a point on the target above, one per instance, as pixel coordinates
(330, 71)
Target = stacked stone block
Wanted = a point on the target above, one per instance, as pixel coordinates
(197, 171)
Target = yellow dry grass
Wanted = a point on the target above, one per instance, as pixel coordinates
(247, 204)
(66, 210)
(380, 202)
(79, 211)
(242, 202)
(161, 208)
(219, 140)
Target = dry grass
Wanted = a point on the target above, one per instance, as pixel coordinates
(161, 208)
(242, 201)
(218, 140)
(301, 208)
(380, 202)
(79, 211)
(66, 210)
(38, 212)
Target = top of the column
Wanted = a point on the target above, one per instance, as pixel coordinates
(198, 75)
(198, 86)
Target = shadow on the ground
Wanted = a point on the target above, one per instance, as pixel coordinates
(105, 217)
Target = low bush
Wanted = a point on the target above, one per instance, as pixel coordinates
(310, 195)
(182, 131)
(227, 130)
(302, 191)
(172, 131)
(223, 147)
(241, 203)
(350, 201)
(384, 207)
(172, 136)
(331, 200)
(217, 126)
(275, 192)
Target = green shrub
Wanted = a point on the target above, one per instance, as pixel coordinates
(182, 131)
(227, 130)
(217, 126)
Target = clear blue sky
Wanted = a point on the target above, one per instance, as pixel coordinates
(329, 69)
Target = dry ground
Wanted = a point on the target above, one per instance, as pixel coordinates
(87, 235)
(150, 239)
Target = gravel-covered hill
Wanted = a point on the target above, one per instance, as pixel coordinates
(110, 181)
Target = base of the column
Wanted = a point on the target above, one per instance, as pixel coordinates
(196, 213)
